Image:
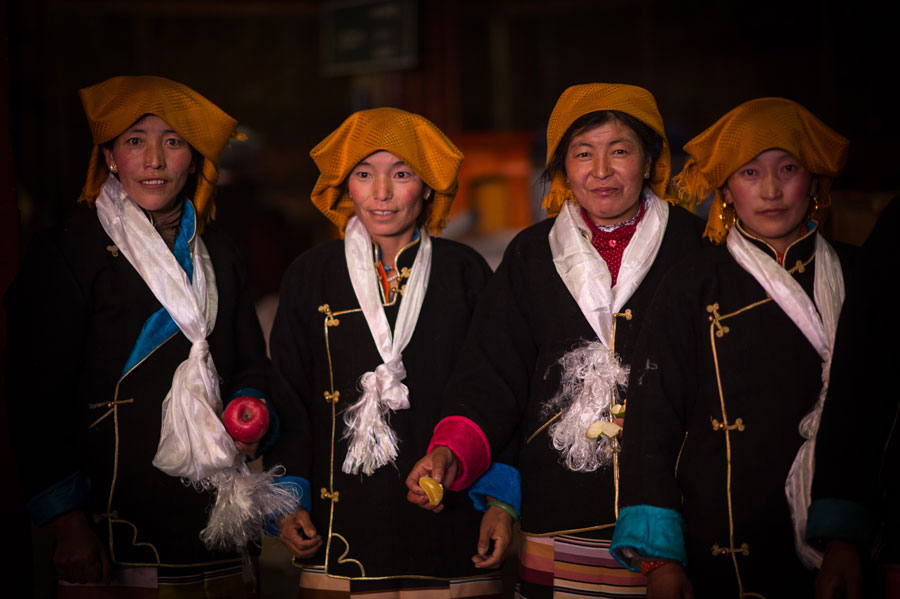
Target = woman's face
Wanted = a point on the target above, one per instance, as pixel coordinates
(605, 167)
(388, 196)
(770, 195)
(153, 163)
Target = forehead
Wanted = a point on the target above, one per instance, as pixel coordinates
(611, 132)
(151, 123)
(382, 159)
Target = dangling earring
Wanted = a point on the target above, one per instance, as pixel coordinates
(113, 167)
(813, 204)
(647, 173)
(727, 215)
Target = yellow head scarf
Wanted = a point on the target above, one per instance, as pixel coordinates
(410, 137)
(744, 133)
(580, 100)
(116, 104)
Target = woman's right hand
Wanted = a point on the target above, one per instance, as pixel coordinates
(299, 535)
(669, 581)
(441, 465)
(79, 555)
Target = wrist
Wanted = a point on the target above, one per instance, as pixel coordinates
(651, 566)
(502, 505)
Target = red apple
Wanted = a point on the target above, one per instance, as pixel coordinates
(246, 419)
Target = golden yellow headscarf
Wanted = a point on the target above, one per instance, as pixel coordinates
(744, 133)
(410, 137)
(114, 105)
(580, 100)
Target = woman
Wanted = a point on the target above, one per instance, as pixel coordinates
(730, 387)
(552, 338)
(366, 333)
(139, 299)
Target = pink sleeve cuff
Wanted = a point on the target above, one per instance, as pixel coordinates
(467, 441)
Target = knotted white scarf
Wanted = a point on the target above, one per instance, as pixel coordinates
(373, 442)
(818, 323)
(193, 442)
(592, 372)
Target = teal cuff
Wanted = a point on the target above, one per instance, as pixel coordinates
(301, 489)
(502, 482)
(648, 532)
(71, 493)
(841, 519)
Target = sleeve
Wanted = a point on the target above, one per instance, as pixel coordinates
(490, 384)
(659, 390)
(48, 312)
(292, 378)
(862, 405)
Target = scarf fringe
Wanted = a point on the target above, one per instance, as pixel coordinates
(244, 500)
(588, 389)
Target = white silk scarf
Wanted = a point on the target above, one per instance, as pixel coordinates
(193, 442)
(818, 323)
(592, 372)
(372, 441)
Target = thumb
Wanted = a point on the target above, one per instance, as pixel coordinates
(437, 469)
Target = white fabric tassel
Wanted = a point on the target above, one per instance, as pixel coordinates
(591, 376)
(372, 441)
(193, 444)
(243, 500)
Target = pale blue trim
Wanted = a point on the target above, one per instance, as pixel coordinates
(650, 532)
(71, 493)
(842, 519)
(502, 482)
(301, 489)
(160, 326)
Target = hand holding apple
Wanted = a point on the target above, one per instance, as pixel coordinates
(246, 419)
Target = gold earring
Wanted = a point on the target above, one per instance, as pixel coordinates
(814, 200)
(727, 215)
(647, 174)
(113, 167)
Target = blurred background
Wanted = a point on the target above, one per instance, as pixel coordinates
(487, 72)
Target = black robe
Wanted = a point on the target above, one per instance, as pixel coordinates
(321, 345)
(525, 322)
(710, 324)
(74, 314)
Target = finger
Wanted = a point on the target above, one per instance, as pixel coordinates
(438, 467)
(305, 522)
(484, 541)
(418, 498)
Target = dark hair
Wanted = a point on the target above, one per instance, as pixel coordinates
(190, 185)
(650, 140)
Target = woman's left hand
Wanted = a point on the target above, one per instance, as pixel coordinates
(248, 449)
(496, 526)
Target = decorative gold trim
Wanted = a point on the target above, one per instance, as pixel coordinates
(680, 451)
(543, 426)
(334, 497)
(721, 426)
(744, 550)
(332, 397)
(114, 250)
(627, 315)
(343, 559)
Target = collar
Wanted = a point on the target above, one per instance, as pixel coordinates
(405, 257)
(798, 252)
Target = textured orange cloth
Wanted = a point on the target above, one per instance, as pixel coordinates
(114, 105)
(410, 137)
(580, 100)
(744, 133)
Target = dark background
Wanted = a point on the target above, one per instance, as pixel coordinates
(477, 67)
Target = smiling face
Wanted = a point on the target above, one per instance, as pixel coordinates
(605, 167)
(153, 163)
(388, 197)
(771, 197)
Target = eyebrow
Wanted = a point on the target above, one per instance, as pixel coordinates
(395, 165)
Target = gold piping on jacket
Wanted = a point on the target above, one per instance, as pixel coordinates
(568, 531)
(616, 446)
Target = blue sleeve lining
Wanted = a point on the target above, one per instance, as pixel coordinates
(648, 532)
(502, 482)
(71, 493)
(833, 518)
(301, 488)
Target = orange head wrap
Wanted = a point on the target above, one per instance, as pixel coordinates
(580, 100)
(116, 104)
(743, 134)
(410, 137)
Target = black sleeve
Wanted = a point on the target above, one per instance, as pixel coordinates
(48, 311)
(292, 377)
(660, 387)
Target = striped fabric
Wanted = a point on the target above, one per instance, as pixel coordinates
(314, 584)
(570, 567)
(210, 582)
